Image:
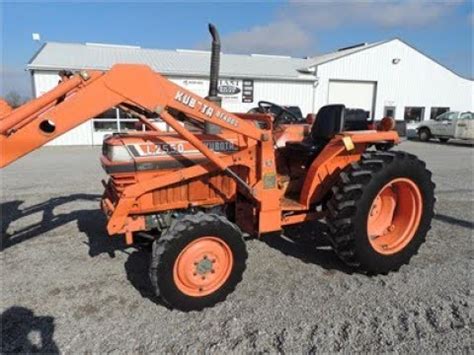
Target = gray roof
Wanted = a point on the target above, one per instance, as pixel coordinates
(54, 56)
(328, 57)
(76, 56)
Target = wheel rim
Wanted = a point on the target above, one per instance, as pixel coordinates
(203, 266)
(394, 216)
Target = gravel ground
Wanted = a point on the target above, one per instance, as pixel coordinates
(66, 287)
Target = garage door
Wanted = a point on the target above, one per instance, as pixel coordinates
(353, 94)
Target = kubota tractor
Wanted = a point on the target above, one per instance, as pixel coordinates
(195, 191)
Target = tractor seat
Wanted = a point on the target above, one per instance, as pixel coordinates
(329, 122)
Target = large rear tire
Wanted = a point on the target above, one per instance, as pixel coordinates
(197, 262)
(381, 211)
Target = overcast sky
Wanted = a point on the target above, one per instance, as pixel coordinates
(442, 30)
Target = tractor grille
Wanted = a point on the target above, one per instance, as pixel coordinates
(119, 183)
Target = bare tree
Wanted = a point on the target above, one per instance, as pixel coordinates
(14, 99)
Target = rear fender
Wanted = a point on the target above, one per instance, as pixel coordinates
(342, 150)
(326, 168)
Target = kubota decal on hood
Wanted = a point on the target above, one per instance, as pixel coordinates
(179, 148)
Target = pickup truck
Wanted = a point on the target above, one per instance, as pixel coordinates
(449, 125)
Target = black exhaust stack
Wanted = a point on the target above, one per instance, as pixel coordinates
(215, 62)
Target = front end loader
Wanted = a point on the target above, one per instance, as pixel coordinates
(194, 192)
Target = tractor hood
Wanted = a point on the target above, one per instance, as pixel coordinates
(147, 151)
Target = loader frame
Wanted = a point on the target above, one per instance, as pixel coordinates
(137, 89)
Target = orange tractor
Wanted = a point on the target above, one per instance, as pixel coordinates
(194, 192)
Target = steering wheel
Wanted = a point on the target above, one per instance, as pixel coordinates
(281, 114)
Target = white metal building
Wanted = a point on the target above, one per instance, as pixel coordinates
(385, 78)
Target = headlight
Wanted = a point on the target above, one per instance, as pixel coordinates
(118, 153)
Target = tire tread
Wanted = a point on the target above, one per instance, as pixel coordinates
(347, 194)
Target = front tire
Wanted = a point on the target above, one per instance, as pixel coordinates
(424, 134)
(381, 211)
(197, 262)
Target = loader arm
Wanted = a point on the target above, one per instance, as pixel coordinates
(88, 94)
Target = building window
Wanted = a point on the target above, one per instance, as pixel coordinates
(389, 111)
(115, 120)
(128, 122)
(436, 111)
(106, 121)
(414, 114)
